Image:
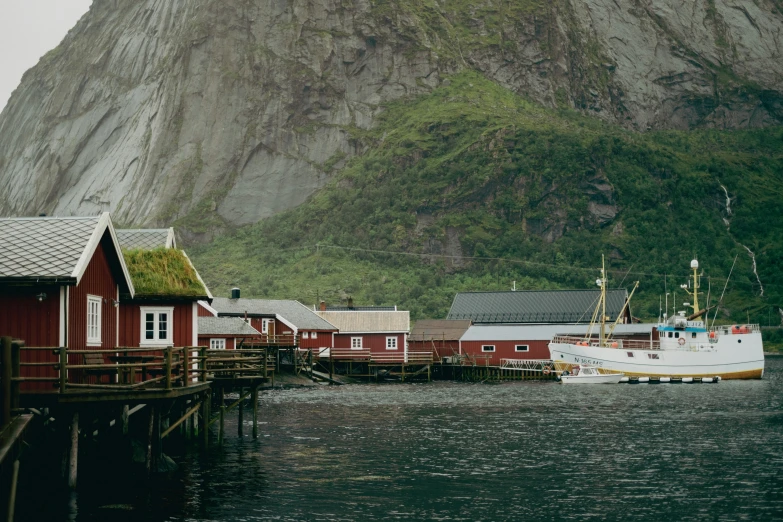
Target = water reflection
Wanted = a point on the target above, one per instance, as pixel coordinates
(450, 451)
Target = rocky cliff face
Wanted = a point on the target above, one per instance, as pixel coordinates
(214, 113)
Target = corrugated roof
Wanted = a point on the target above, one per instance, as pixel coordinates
(542, 332)
(225, 326)
(147, 238)
(293, 312)
(366, 322)
(541, 306)
(438, 329)
(55, 248)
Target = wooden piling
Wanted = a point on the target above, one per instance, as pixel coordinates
(150, 428)
(222, 427)
(73, 459)
(125, 419)
(5, 346)
(12, 494)
(240, 413)
(255, 411)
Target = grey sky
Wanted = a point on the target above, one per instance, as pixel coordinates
(28, 30)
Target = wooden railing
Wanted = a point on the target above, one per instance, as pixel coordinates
(234, 364)
(391, 356)
(164, 367)
(265, 340)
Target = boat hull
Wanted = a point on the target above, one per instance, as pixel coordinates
(609, 378)
(728, 359)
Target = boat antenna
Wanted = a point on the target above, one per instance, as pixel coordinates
(724, 292)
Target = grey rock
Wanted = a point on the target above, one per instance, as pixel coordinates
(216, 113)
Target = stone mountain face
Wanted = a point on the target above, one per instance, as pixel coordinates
(215, 113)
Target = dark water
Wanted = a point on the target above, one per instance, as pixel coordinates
(443, 451)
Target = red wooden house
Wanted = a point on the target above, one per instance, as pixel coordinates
(439, 336)
(383, 332)
(60, 285)
(491, 344)
(225, 333)
(278, 321)
(164, 310)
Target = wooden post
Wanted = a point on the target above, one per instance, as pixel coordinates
(331, 366)
(254, 398)
(125, 418)
(222, 427)
(310, 357)
(150, 428)
(266, 351)
(16, 361)
(12, 494)
(6, 381)
(202, 364)
(205, 415)
(167, 367)
(63, 368)
(185, 370)
(73, 460)
(240, 411)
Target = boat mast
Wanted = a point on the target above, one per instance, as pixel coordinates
(695, 294)
(603, 303)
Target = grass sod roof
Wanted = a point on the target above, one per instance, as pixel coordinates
(163, 272)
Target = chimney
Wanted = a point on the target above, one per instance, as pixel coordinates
(350, 303)
(322, 306)
(235, 293)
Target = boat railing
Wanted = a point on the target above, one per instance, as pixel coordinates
(620, 344)
(735, 329)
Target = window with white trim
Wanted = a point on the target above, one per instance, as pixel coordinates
(391, 343)
(217, 344)
(313, 335)
(264, 326)
(356, 343)
(305, 335)
(156, 326)
(488, 348)
(94, 320)
(522, 348)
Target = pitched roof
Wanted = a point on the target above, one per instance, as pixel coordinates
(147, 238)
(225, 326)
(164, 272)
(368, 322)
(292, 312)
(541, 332)
(343, 308)
(541, 306)
(56, 249)
(438, 329)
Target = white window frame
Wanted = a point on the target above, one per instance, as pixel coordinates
(485, 346)
(392, 341)
(217, 344)
(265, 326)
(356, 345)
(524, 348)
(169, 340)
(305, 335)
(313, 335)
(94, 328)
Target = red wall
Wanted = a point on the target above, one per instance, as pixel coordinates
(130, 323)
(439, 349)
(22, 316)
(375, 342)
(203, 312)
(203, 340)
(324, 340)
(98, 281)
(505, 350)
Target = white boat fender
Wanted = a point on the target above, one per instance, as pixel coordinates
(687, 379)
(666, 379)
(706, 379)
(624, 379)
(644, 379)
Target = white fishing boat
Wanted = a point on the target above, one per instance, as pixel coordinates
(685, 348)
(586, 374)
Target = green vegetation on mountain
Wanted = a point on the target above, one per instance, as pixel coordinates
(472, 187)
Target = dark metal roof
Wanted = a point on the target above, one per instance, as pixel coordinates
(438, 330)
(541, 306)
(225, 326)
(291, 311)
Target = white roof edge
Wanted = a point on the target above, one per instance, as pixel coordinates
(198, 276)
(171, 242)
(207, 307)
(287, 323)
(104, 223)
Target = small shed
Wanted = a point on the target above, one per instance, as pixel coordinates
(225, 333)
(439, 336)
